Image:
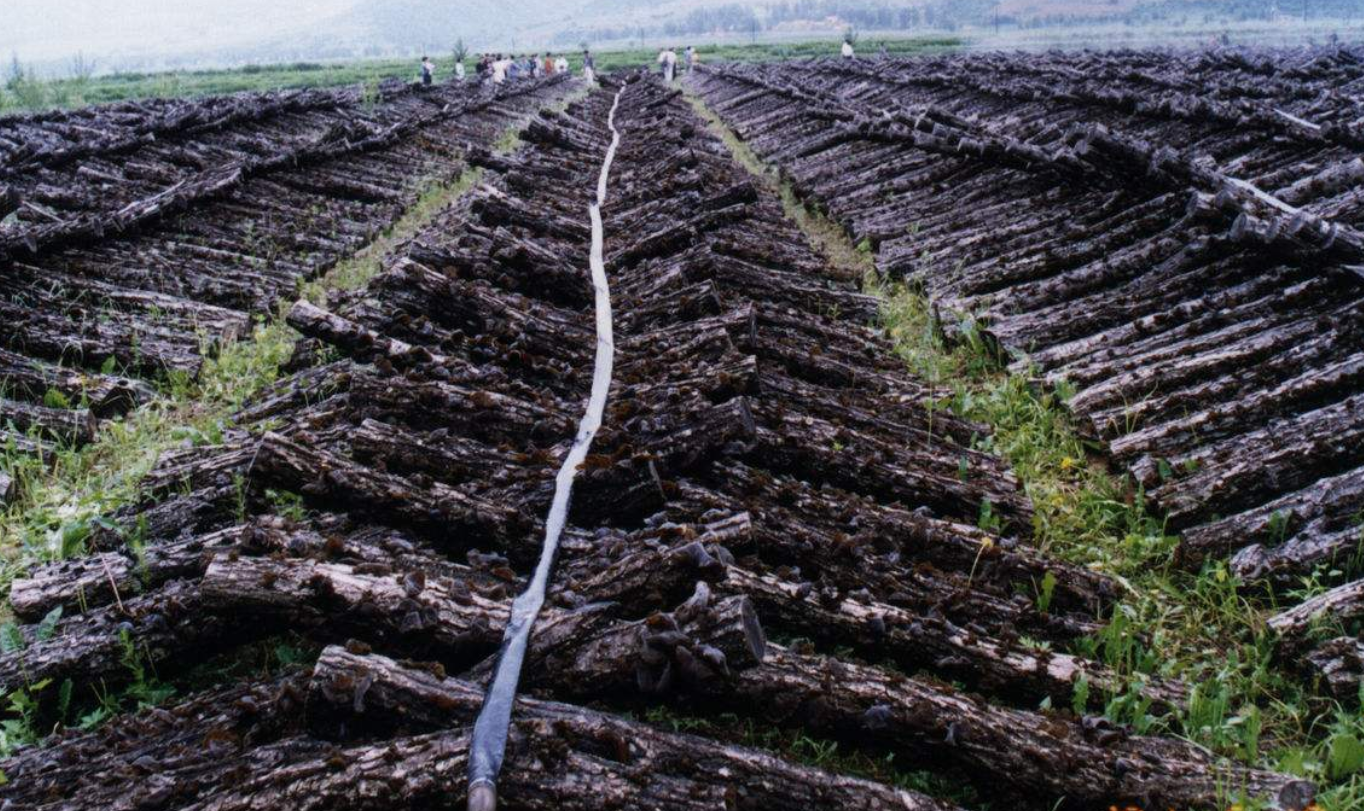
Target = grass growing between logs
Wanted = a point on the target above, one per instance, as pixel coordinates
(58, 505)
(1202, 627)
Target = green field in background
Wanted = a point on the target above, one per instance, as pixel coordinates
(26, 94)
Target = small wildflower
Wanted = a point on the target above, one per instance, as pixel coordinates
(1066, 464)
(989, 543)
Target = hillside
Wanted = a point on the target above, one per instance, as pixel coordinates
(253, 31)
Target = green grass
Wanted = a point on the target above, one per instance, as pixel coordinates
(58, 506)
(1200, 626)
(1197, 626)
(29, 93)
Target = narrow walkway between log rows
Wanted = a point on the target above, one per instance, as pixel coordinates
(490, 730)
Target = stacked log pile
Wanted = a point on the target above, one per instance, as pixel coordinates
(134, 238)
(766, 473)
(1178, 237)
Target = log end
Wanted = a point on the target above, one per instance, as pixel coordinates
(754, 638)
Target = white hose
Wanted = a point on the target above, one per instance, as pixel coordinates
(489, 742)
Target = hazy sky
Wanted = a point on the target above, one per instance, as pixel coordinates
(142, 32)
(52, 29)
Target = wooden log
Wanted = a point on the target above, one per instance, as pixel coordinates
(1338, 665)
(71, 426)
(881, 710)
(904, 558)
(106, 395)
(1259, 466)
(990, 665)
(356, 341)
(187, 743)
(438, 510)
(1306, 530)
(96, 647)
(1295, 625)
(414, 697)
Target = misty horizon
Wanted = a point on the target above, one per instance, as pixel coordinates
(152, 35)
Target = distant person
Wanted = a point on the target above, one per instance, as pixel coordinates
(459, 70)
(667, 64)
(847, 49)
(548, 64)
(589, 67)
(691, 58)
(560, 64)
(500, 69)
(428, 71)
(515, 70)
(482, 67)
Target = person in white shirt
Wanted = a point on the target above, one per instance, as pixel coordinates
(847, 49)
(691, 58)
(561, 64)
(500, 70)
(667, 63)
(459, 70)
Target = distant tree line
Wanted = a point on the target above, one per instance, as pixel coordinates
(949, 15)
(736, 18)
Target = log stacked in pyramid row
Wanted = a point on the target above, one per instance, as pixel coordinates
(135, 249)
(765, 471)
(1177, 237)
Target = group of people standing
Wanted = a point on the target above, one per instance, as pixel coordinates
(667, 62)
(498, 68)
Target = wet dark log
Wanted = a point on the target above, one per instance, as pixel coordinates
(460, 519)
(449, 459)
(1259, 466)
(196, 749)
(1312, 526)
(97, 646)
(353, 339)
(459, 619)
(883, 710)
(70, 426)
(876, 630)
(905, 558)
(1338, 605)
(1091, 761)
(1338, 664)
(414, 697)
(478, 309)
(80, 583)
(105, 395)
(486, 408)
(819, 451)
(207, 467)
